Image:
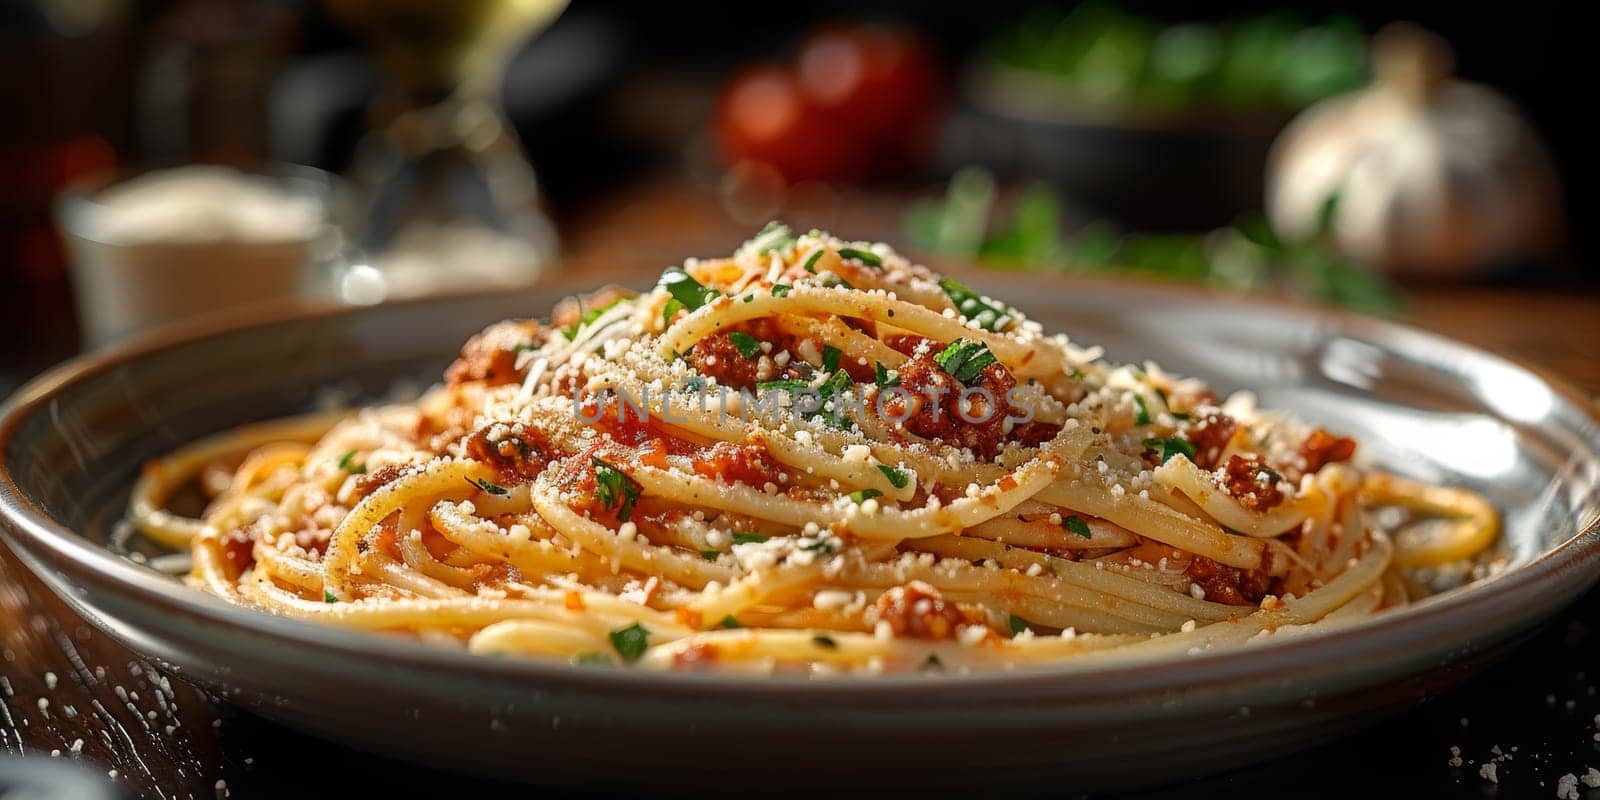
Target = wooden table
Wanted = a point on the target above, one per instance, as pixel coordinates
(68, 691)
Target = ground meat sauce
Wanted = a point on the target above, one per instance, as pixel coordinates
(1321, 448)
(238, 549)
(717, 357)
(373, 481)
(491, 356)
(1231, 585)
(517, 453)
(936, 411)
(1252, 483)
(749, 464)
(1210, 438)
(918, 611)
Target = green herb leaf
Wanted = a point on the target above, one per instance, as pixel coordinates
(989, 314)
(831, 280)
(965, 360)
(489, 486)
(864, 495)
(775, 236)
(592, 660)
(670, 310)
(630, 642)
(709, 555)
(1143, 417)
(1078, 526)
(614, 489)
(1018, 624)
(346, 463)
(867, 257)
(1169, 447)
(897, 477)
(819, 546)
(740, 537)
(825, 642)
(785, 385)
(685, 289)
(811, 261)
(730, 622)
(747, 345)
(780, 290)
(830, 357)
(327, 597)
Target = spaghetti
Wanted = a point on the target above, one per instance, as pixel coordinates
(812, 456)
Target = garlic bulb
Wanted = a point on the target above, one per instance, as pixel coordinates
(1433, 175)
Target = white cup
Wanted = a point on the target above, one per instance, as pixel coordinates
(169, 244)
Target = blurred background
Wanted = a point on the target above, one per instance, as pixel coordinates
(164, 159)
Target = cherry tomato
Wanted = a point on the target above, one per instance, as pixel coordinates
(763, 116)
(880, 82)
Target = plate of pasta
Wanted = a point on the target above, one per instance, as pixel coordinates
(810, 493)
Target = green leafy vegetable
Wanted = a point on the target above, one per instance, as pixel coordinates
(347, 463)
(867, 257)
(780, 290)
(811, 261)
(630, 642)
(883, 376)
(747, 345)
(730, 622)
(670, 310)
(897, 477)
(1076, 525)
(989, 314)
(741, 537)
(489, 486)
(965, 360)
(614, 489)
(571, 331)
(327, 597)
(1018, 624)
(1169, 447)
(830, 357)
(864, 495)
(1143, 417)
(685, 289)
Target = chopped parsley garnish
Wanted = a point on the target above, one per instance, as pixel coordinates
(825, 642)
(830, 357)
(327, 597)
(811, 261)
(965, 360)
(1169, 447)
(614, 489)
(747, 345)
(1143, 417)
(749, 298)
(670, 310)
(685, 289)
(591, 660)
(730, 622)
(819, 546)
(630, 642)
(780, 290)
(932, 664)
(346, 463)
(1018, 624)
(864, 495)
(775, 236)
(897, 477)
(785, 385)
(989, 314)
(571, 331)
(1078, 526)
(740, 537)
(883, 376)
(831, 280)
(709, 555)
(489, 486)
(867, 257)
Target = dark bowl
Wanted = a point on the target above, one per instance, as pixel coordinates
(1189, 170)
(71, 441)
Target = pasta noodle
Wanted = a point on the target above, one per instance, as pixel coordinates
(813, 456)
